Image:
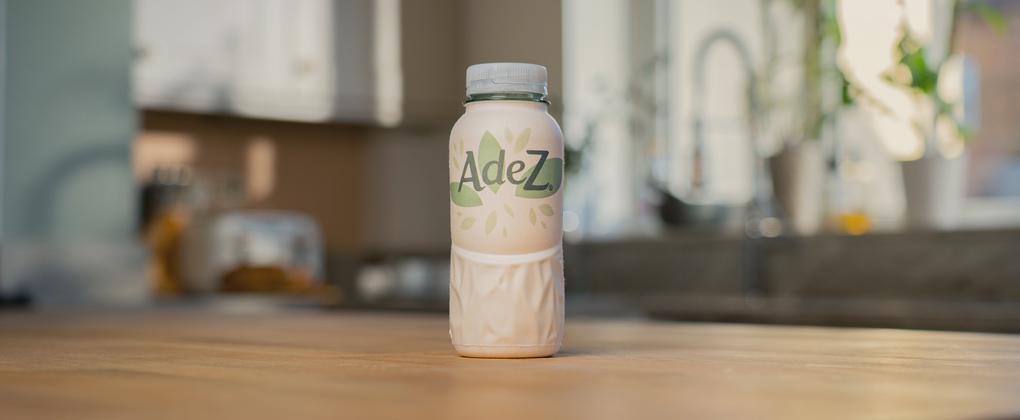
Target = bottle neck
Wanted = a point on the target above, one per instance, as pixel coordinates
(508, 96)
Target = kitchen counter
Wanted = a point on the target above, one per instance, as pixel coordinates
(947, 280)
(311, 364)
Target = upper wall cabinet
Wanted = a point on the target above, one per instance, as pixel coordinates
(308, 60)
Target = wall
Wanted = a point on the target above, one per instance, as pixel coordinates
(370, 189)
(68, 119)
(315, 168)
(995, 151)
(529, 31)
(68, 122)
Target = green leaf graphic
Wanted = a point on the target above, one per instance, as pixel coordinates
(546, 209)
(544, 226)
(490, 222)
(509, 135)
(552, 174)
(504, 232)
(488, 151)
(533, 217)
(522, 140)
(466, 197)
(508, 210)
(467, 223)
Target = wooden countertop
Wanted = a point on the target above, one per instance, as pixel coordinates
(176, 365)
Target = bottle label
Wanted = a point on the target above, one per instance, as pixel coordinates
(480, 177)
(533, 175)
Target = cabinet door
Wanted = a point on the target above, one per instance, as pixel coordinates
(287, 65)
(185, 53)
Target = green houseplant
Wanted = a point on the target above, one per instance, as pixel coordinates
(934, 183)
(798, 168)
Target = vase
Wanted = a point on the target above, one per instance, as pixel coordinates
(933, 187)
(798, 182)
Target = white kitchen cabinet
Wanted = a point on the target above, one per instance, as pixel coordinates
(184, 53)
(308, 60)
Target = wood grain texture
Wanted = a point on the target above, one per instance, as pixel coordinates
(176, 364)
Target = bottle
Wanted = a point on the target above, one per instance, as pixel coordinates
(506, 172)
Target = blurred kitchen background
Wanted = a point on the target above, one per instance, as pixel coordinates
(827, 162)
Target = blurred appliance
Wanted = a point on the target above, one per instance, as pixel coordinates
(162, 191)
(258, 251)
(415, 281)
(162, 221)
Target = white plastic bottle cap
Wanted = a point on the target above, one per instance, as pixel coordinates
(507, 77)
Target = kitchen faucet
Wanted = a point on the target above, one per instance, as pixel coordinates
(760, 220)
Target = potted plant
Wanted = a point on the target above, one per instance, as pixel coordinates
(798, 168)
(934, 183)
